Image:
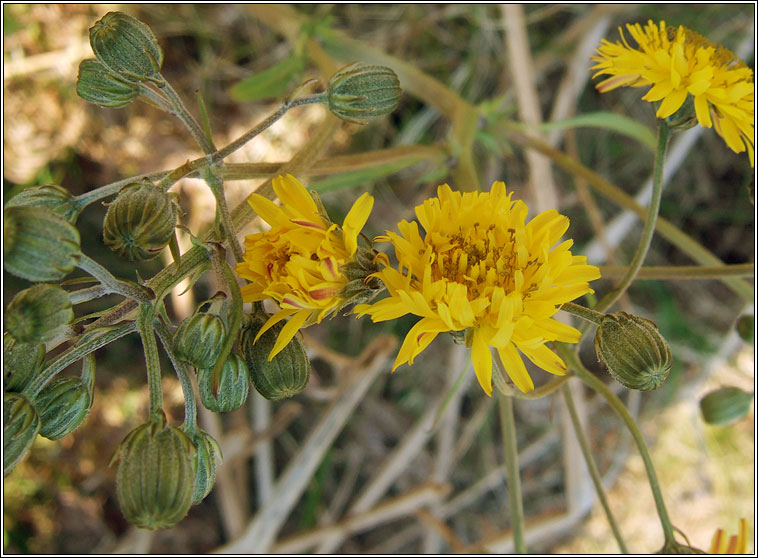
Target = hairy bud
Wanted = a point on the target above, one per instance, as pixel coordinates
(21, 362)
(233, 386)
(360, 92)
(36, 313)
(725, 405)
(55, 198)
(208, 453)
(20, 426)
(97, 85)
(126, 46)
(63, 406)
(199, 339)
(38, 245)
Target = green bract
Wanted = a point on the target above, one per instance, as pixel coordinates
(140, 222)
(199, 339)
(54, 197)
(39, 245)
(20, 426)
(126, 46)
(361, 92)
(633, 350)
(36, 313)
(233, 386)
(97, 85)
(156, 476)
(63, 406)
(286, 374)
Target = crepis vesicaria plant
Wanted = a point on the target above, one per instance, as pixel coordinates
(162, 469)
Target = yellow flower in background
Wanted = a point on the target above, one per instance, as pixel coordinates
(736, 544)
(480, 267)
(678, 63)
(309, 265)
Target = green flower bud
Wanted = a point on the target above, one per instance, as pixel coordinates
(36, 313)
(208, 452)
(746, 328)
(38, 245)
(674, 547)
(140, 221)
(63, 406)
(97, 85)
(725, 405)
(633, 350)
(360, 92)
(21, 362)
(233, 386)
(126, 46)
(20, 426)
(199, 339)
(156, 477)
(286, 374)
(55, 198)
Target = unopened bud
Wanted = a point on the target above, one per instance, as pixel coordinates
(283, 376)
(97, 85)
(63, 406)
(725, 405)
(20, 426)
(633, 350)
(21, 362)
(233, 386)
(55, 198)
(156, 476)
(674, 547)
(198, 340)
(126, 46)
(208, 453)
(39, 245)
(140, 222)
(746, 328)
(361, 92)
(36, 313)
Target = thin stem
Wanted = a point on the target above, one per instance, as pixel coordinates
(184, 115)
(592, 466)
(510, 451)
(156, 99)
(130, 290)
(173, 245)
(585, 313)
(216, 184)
(680, 272)
(664, 133)
(190, 405)
(90, 293)
(204, 119)
(145, 319)
(87, 344)
(618, 406)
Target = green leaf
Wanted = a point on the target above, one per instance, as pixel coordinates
(352, 179)
(607, 121)
(272, 82)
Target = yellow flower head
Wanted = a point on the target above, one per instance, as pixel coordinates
(480, 267)
(736, 544)
(678, 63)
(309, 265)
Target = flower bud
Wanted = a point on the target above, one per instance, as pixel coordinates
(38, 245)
(208, 452)
(55, 198)
(140, 221)
(126, 46)
(156, 477)
(674, 547)
(97, 85)
(21, 362)
(198, 340)
(63, 406)
(361, 92)
(746, 328)
(20, 426)
(283, 376)
(633, 350)
(725, 405)
(36, 313)
(233, 386)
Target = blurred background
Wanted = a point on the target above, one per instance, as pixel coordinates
(393, 450)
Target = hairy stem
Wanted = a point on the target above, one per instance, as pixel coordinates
(145, 319)
(130, 290)
(510, 451)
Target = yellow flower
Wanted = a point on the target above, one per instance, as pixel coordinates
(309, 265)
(480, 267)
(678, 63)
(737, 544)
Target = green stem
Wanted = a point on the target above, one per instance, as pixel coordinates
(680, 272)
(592, 466)
(204, 119)
(187, 119)
(664, 133)
(216, 185)
(90, 293)
(145, 319)
(131, 290)
(618, 406)
(87, 344)
(190, 408)
(173, 245)
(510, 450)
(587, 314)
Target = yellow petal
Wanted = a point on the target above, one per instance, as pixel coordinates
(514, 367)
(268, 211)
(288, 332)
(355, 220)
(293, 194)
(273, 320)
(482, 359)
